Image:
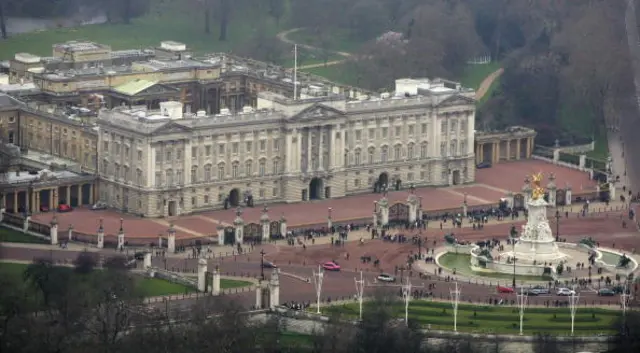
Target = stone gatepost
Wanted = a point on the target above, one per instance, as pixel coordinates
(121, 235)
(202, 271)
(53, 232)
(413, 202)
(147, 261)
(612, 191)
(283, 226)
(259, 290)
(25, 224)
(215, 285)
(2, 211)
(238, 223)
(329, 219)
(553, 190)
(220, 230)
(509, 199)
(100, 244)
(70, 232)
(160, 241)
(420, 208)
(264, 221)
(171, 239)
(582, 162)
(465, 206)
(383, 206)
(274, 289)
(568, 196)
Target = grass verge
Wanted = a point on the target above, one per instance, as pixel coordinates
(13, 236)
(497, 319)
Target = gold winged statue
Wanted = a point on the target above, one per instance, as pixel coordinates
(538, 191)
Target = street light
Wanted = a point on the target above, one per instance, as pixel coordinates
(329, 221)
(262, 263)
(557, 226)
(513, 258)
(419, 246)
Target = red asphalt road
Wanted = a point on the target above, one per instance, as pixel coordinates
(504, 176)
(295, 260)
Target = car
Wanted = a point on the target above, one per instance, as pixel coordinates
(44, 208)
(539, 290)
(63, 207)
(383, 277)
(620, 289)
(565, 292)
(100, 205)
(506, 290)
(268, 264)
(331, 266)
(483, 165)
(528, 291)
(606, 292)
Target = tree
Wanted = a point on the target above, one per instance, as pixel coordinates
(276, 9)
(3, 25)
(225, 16)
(85, 263)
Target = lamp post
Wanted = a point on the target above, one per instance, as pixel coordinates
(359, 293)
(513, 253)
(557, 226)
(317, 281)
(329, 220)
(262, 263)
(419, 242)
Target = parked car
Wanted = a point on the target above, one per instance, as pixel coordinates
(620, 289)
(565, 292)
(606, 292)
(506, 290)
(100, 205)
(44, 208)
(383, 277)
(331, 266)
(528, 291)
(268, 264)
(539, 290)
(63, 207)
(483, 165)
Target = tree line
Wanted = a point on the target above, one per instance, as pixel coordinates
(83, 308)
(566, 62)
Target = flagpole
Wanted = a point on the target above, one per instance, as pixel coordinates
(295, 71)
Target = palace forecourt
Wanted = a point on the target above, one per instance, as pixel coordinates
(492, 185)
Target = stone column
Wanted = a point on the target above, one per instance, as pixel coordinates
(239, 227)
(2, 211)
(508, 150)
(91, 201)
(298, 150)
(171, 240)
(15, 201)
(518, 151)
(100, 235)
(80, 194)
(147, 261)
(283, 226)
(160, 240)
(529, 143)
(264, 220)
(36, 202)
(121, 235)
(220, 230)
(70, 232)
(202, 272)
(332, 148)
(383, 205)
(290, 160)
(568, 196)
(309, 150)
(215, 286)
(274, 289)
(68, 195)
(612, 191)
(25, 224)
(412, 201)
(53, 232)
(27, 200)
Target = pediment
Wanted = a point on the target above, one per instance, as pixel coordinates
(171, 128)
(316, 112)
(157, 89)
(456, 100)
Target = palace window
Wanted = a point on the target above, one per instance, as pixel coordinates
(424, 129)
(194, 174)
(139, 177)
(410, 151)
(276, 145)
(358, 135)
(178, 154)
(384, 154)
(248, 168)
(454, 148)
(398, 131)
(397, 152)
(463, 126)
(262, 166)
(235, 148)
(372, 152)
(249, 146)
(424, 150)
(411, 130)
(443, 149)
(276, 166)
(263, 145)
(169, 177)
(443, 127)
(235, 170)
(221, 174)
(168, 156)
(116, 173)
(385, 132)
(372, 134)
(221, 148)
(463, 147)
(158, 178)
(357, 157)
(179, 177)
(194, 152)
(207, 173)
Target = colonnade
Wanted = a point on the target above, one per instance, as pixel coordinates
(31, 199)
(504, 150)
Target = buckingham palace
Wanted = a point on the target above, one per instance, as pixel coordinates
(319, 145)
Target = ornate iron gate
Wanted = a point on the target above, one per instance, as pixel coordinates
(229, 235)
(518, 201)
(399, 213)
(274, 230)
(253, 232)
(561, 197)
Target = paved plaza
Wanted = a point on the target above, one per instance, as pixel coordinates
(491, 184)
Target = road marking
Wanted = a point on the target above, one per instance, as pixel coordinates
(468, 196)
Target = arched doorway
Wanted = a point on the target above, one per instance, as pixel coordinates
(173, 208)
(315, 189)
(234, 198)
(456, 179)
(383, 180)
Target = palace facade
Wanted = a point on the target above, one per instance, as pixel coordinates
(166, 162)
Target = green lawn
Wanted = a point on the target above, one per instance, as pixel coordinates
(233, 283)
(13, 236)
(461, 263)
(337, 73)
(601, 150)
(167, 20)
(497, 319)
(473, 75)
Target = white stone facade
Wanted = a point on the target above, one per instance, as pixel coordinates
(166, 163)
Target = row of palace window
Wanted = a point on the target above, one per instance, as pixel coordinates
(234, 148)
(411, 153)
(454, 126)
(237, 170)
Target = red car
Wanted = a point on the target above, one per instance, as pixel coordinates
(506, 290)
(331, 266)
(63, 207)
